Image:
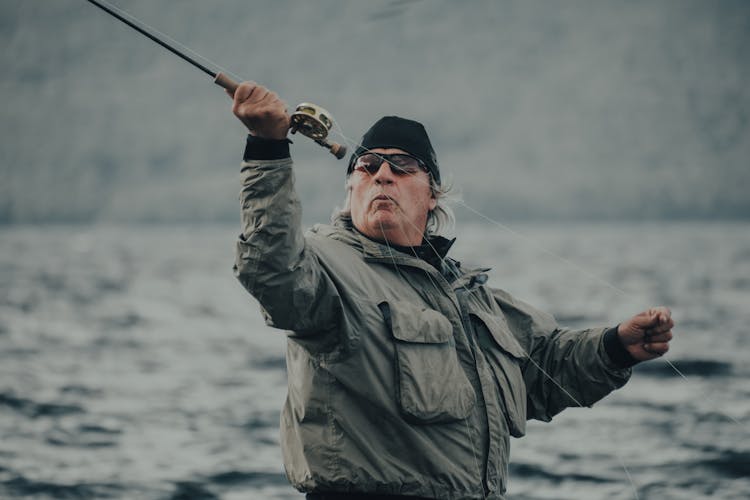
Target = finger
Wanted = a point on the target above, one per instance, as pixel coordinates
(660, 337)
(272, 99)
(658, 348)
(646, 320)
(660, 309)
(659, 328)
(258, 95)
(243, 91)
(662, 313)
(654, 317)
(265, 100)
(670, 323)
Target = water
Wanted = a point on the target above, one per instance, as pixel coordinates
(132, 365)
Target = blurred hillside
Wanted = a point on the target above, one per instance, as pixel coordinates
(576, 109)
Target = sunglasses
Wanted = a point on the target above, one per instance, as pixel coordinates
(400, 163)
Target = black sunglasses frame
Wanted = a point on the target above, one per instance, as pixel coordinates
(372, 168)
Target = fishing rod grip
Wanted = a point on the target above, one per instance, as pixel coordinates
(224, 81)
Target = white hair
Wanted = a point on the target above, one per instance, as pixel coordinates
(439, 220)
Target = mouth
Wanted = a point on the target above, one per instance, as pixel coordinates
(382, 201)
(384, 197)
(381, 198)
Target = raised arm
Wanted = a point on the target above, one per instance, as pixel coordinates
(273, 261)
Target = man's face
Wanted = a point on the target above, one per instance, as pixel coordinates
(391, 206)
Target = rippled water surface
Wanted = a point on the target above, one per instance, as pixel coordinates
(132, 365)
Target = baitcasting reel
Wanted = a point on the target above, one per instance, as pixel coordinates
(314, 122)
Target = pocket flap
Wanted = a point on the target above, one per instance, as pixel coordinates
(418, 325)
(432, 386)
(502, 334)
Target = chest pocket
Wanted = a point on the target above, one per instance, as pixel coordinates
(431, 386)
(505, 356)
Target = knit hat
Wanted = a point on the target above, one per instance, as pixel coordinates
(397, 132)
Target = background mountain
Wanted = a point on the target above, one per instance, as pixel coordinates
(576, 109)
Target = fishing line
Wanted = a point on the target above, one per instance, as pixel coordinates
(356, 145)
(632, 483)
(437, 287)
(429, 276)
(149, 31)
(531, 241)
(539, 246)
(457, 277)
(350, 142)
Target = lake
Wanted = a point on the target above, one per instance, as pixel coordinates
(133, 365)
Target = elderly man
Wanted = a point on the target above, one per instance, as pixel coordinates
(407, 373)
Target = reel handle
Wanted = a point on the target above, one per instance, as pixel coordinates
(336, 149)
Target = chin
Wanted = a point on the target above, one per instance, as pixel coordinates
(383, 222)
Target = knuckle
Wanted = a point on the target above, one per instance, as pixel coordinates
(244, 88)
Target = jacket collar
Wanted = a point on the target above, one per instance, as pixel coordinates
(436, 247)
(432, 249)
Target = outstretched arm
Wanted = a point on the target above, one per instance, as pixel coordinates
(578, 367)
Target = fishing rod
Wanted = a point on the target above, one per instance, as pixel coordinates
(308, 119)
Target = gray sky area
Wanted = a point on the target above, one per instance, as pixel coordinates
(537, 109)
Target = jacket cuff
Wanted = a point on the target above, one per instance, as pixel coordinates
(259, 148)
(616, 351)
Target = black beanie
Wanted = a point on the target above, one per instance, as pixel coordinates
(397, 132)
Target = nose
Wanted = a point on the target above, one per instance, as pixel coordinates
(384, 175)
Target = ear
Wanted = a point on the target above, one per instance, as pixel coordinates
(433, 203)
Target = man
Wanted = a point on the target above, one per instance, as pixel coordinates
(407, 373)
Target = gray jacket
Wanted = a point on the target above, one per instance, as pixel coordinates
(402, 379)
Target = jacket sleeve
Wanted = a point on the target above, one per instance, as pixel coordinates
(273, 261)
(564, 367)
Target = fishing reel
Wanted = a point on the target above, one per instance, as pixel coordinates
(315, 122)
(308, 119)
